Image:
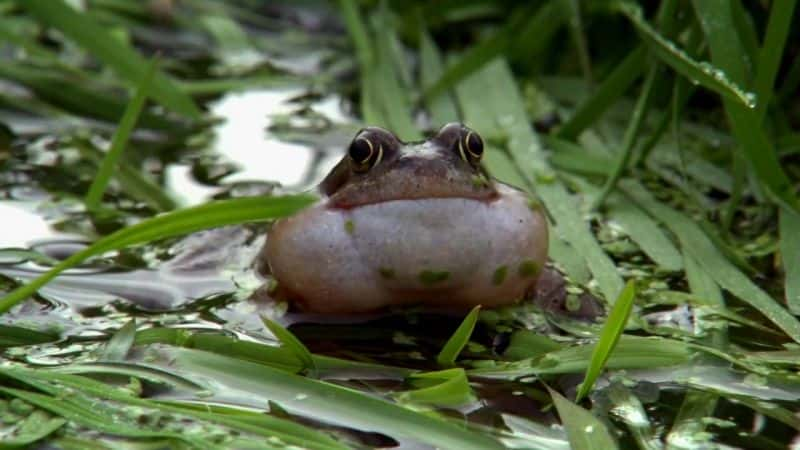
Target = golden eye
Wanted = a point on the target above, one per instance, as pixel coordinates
(470, 147)
(362, 153)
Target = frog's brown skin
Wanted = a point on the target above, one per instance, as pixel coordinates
(409, 223)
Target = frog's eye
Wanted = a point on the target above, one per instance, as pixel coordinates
(470, 146)
(363, 154)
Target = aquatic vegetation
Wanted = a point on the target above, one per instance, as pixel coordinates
(146, 146)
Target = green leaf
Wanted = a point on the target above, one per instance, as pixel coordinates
(12, 336)
(706, 74)
(109, 165)
(790, 257)
(645, 232)
(292, 344)
(726, 53)
(444, 388)
(120, 344)
(612, 87)
(584, 430)
(529, 344)
(609, 336)
(37, 426)
(209, 215)
(319, 400)
(442, 107)
(127, 62)
(769, 58)
(447, 357)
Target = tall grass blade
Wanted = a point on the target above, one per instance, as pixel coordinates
(120, 139)
(705, 74)
(790, 258)
(726, 50)
(127, 62)
(769, 58)
(615, 84)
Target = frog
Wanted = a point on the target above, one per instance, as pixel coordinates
(409, 223)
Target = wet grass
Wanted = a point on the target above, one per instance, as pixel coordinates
(661, 141)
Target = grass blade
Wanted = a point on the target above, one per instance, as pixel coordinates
(442, 107)
(127, 62)
(447, 388)
(609, 90)
(769, 58)
(697, 244)
(609, 336)
(631, 133)
(584, 430)
(209, 215)
(120, 344)
(447, 357)
(726, 50)
(37, 426)
(321, 400)
(707, 75)
(790, 257)
(120, 140)
(645, 232)
(292, 344)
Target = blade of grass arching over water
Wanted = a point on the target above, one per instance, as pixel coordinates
(319, 400)
(120, 140)
(726, 50)
(612, 87)
(492, 104)
(769, 58)
(447, 357)
(584, 430)
(790, 258)
(291, 343)
(442, 108)
(703, 73)
(697, 244)
(609, 336)
(125, 61)
(209, 215)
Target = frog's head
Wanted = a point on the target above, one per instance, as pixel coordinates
(379, 167)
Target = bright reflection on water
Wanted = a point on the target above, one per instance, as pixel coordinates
(244, 139)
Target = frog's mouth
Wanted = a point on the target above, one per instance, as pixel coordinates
(421, 182)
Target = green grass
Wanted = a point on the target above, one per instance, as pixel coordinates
(660, 141)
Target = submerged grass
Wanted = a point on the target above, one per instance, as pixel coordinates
(659, 141)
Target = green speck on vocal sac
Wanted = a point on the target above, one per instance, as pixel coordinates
(349, 227)
(386, 272)
(528, 268)
(431, 277)
(499, 275)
